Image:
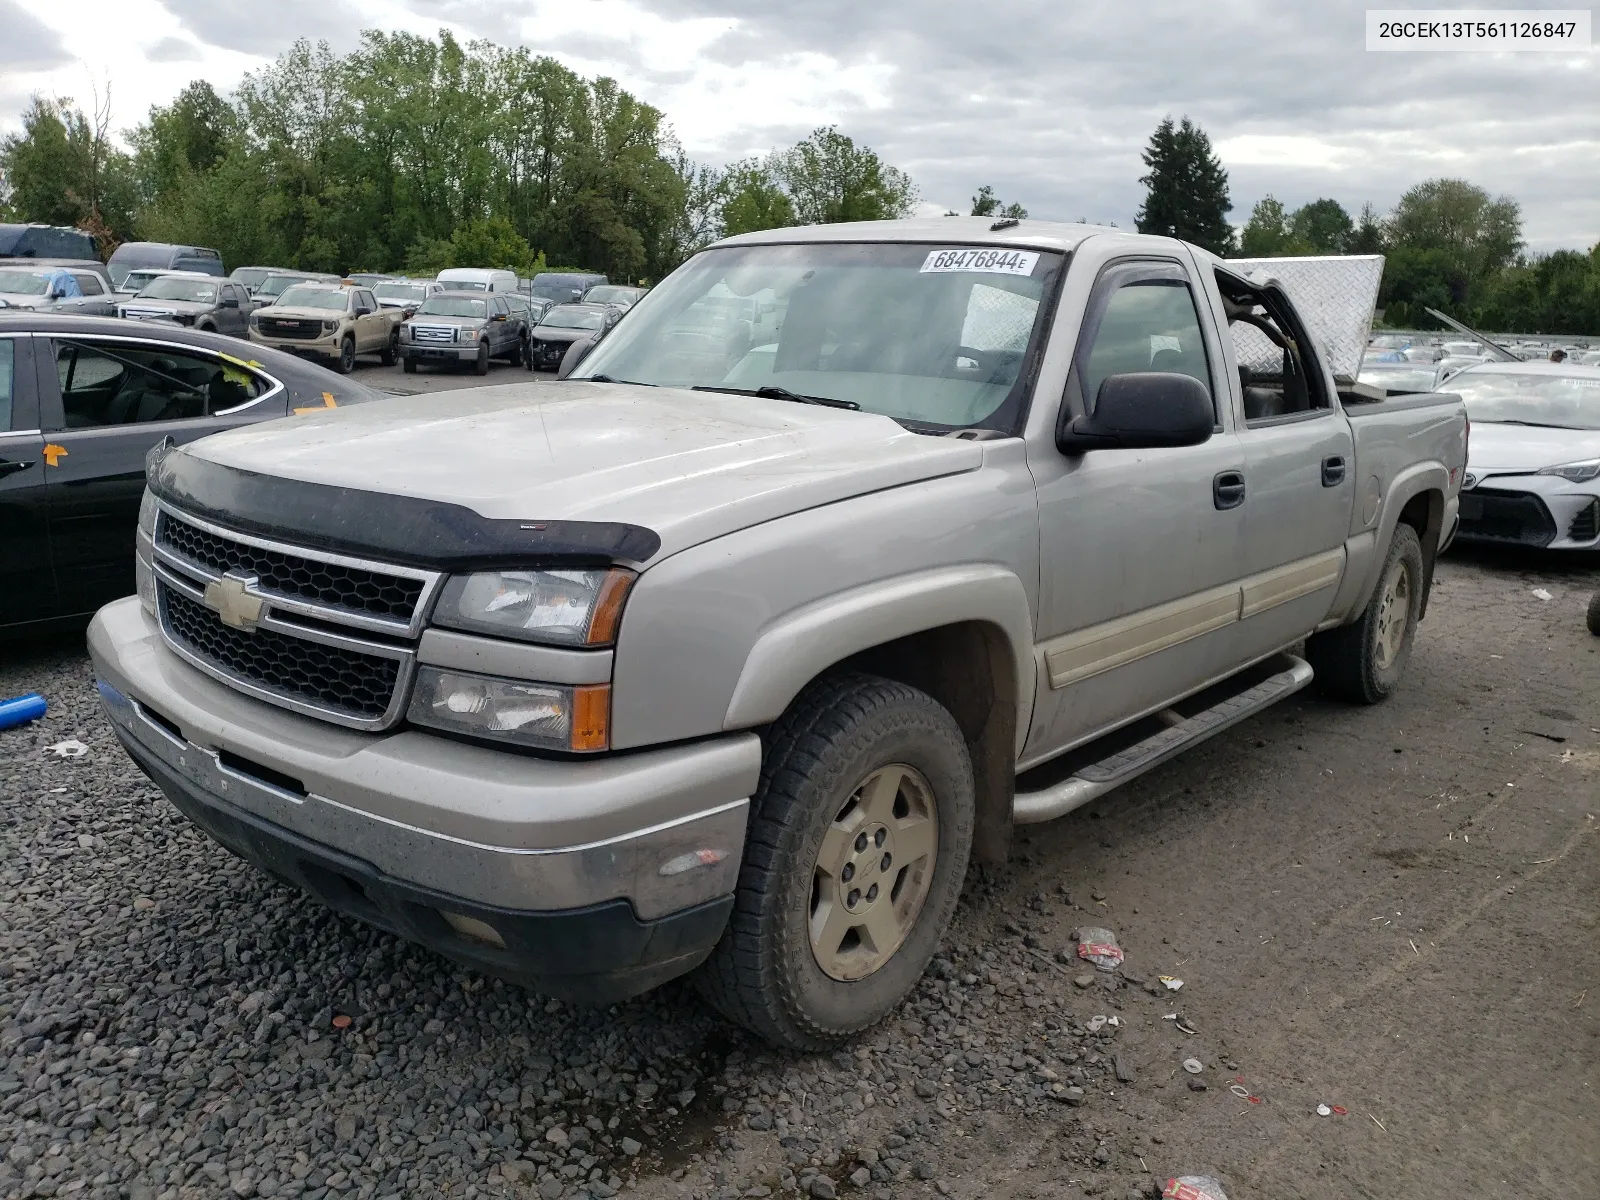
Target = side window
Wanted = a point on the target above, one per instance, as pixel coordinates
(1148, 325)
(8, 371)
(1278, 376)
(89, 283)
(124, 383)
(368, 299)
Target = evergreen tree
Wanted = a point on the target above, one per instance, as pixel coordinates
(1187, 188)
(1367, 237)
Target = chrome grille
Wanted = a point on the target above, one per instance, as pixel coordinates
(433, 333)
(349, 589)
(322, 634)
(335, 678)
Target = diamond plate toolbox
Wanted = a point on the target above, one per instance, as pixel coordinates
(1335, 295)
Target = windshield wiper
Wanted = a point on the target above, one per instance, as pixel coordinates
(609, 379)
(769, 392)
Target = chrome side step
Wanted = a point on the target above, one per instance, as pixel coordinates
(1096, 779)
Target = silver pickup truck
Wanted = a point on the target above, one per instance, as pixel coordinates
(849, 549)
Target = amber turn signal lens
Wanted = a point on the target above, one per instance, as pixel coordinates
(607, 613)
(591, 718)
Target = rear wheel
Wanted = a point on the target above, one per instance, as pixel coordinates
(347, 355)
(1362, 662)
(481, 366)
(391, 349)
(1594, 615)
(858, 843)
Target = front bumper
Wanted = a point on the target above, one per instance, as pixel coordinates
(577, 868)
(321, 347)
(1533, 510)
(548, 354)
(440, 351)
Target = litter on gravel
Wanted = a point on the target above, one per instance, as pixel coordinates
(71, 748)
(1541, 594)
(1193, 1187)
(19, 710)
(1193, 1065)
(1172, 983)
(1099, 946)
(1324, 1111)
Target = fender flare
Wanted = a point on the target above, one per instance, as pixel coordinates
(1407, 486)
(796, 646)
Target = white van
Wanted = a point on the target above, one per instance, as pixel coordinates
(477, 279)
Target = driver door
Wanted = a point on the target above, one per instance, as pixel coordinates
(1138, 548)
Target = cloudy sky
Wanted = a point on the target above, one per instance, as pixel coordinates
(1048, 101)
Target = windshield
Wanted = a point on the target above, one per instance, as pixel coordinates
(453, 306)
(561, 293)
(276, 285)
(611, 295)
(1563, 401)
(465, 285)
(398, 291)
(311, 297)
(567, 317)
(935, 335)
(24, 283)
(176, 287)
(1411, 379)
(250, 277)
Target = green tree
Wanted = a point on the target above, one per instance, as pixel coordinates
(987, 204)
(1186, 188)
(1267, 234)
(754, 199)
(63, 169)
(1479, 234)
(829, 179)
(191, 135)
(1322, 226)
(1367, 237)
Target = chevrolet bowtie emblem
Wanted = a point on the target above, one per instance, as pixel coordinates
(236, 607)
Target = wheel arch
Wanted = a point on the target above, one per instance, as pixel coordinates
(1415, 498)
(963, 635)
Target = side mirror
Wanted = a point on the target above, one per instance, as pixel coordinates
(1142, 410)
(575, 354)
(363, 311)
(499, 316)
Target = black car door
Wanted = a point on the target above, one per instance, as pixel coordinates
(106, 400)
(27, 587)
(233, 310)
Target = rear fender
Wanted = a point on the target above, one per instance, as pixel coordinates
(1369, 548)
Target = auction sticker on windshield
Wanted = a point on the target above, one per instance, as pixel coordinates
(977, 258)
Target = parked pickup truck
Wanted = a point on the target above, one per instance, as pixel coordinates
(329, 322)
(725, 653)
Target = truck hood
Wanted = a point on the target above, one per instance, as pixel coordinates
(691, 466)
(1498, 449)
(193, 307)
(295, 312)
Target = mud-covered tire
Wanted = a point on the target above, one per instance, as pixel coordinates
(1594, 614)
(480, 366)
(346, 362)
(840, 733)
(391, 349)
(1363, 662)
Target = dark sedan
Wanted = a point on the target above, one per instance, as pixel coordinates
(82, 401)
(563, 325)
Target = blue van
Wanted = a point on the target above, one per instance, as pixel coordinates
(46, 241)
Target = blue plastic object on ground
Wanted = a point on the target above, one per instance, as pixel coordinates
(21, 710)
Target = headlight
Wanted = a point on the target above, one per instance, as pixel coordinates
(529, 714)
(1578, 472)
(563, 608)
(329, 326)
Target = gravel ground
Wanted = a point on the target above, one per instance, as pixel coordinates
(1392, 910)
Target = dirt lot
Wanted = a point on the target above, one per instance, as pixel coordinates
(1392, 910)
(441, 379)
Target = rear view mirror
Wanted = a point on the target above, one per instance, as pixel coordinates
(1142, 410)
(575, 354)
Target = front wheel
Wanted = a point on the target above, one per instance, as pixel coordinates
(859, 835)
(481, 366)
(409, 365)
(391, 349)
(1594, 615)
(1363, 662)
(347, 355)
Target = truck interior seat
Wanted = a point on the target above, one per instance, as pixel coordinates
(1259, 401)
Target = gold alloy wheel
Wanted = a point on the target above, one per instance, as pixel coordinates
(873, 872)
(1394, 614)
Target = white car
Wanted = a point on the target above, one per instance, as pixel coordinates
(1533, 464)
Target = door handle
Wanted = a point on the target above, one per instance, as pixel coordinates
(11, 468)
(1332, 471)
(1227, 490)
